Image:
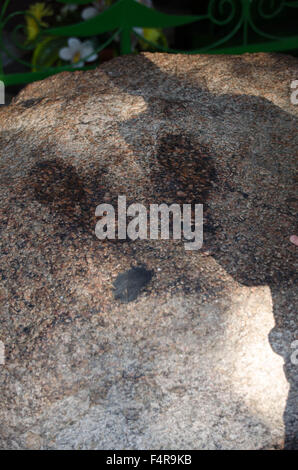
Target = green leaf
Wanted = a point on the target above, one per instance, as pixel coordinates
(47, 52)
(125, 14)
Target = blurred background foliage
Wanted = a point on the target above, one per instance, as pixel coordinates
(26, 46)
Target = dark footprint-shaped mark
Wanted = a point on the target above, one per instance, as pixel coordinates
(71, 199)
(128, 285)
(56, 183)
(183, 171)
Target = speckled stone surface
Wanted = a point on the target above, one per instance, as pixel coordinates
(201, 358)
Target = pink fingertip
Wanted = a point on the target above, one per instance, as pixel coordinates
(294, 239)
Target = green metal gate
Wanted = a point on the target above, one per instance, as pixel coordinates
(244, 24)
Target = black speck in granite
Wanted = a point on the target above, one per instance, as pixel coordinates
(128, 285)
(31, 102)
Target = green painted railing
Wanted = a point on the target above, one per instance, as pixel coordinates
(239, 19)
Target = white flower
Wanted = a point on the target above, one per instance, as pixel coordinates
(69, 8)
(78, 52)
(90, 12)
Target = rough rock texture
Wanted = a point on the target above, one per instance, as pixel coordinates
(201, 358)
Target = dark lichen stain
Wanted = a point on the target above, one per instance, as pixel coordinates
(128, 285)
(70, 197)
(183, 171)
(56, 182)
